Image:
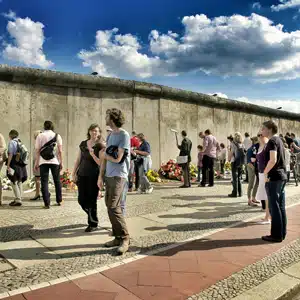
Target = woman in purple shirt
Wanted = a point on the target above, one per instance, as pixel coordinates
(261, 192)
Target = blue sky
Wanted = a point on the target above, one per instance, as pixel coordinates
(236, 48)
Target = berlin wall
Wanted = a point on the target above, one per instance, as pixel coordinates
(74, 101)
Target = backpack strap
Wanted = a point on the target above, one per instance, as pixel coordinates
(52, 141)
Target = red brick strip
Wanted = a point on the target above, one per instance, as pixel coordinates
(177, 273)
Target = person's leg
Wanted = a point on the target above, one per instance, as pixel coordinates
(82, 186)
(282, 209)
(239, 181)
(137, 177)
(142, 183)
(274, 189)
(130, 175)
(255, 188)
(288, 176)
(44, 170)
(17, 193)
(251, 177)
(211, 171)
(263, 204)
(20, 185)
(185, 175)
(37, 186)
(234, 180)
(55, 170)
(123, 200)
(247, 174)
(198, 176)
(93, 197)
(204, 170)
(115, 187)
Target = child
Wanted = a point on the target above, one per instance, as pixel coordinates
(200, 157)
(287, 161)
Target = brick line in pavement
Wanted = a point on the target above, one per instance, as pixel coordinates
(176, 273)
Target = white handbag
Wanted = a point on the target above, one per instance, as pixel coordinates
(182, 160)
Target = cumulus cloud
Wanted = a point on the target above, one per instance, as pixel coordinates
(28, 39)
(116, 54)
(221, 95)
(285, 4)
(250, 46)
(256, 5)
(287, 105)
(10, 15)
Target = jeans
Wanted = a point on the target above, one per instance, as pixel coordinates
(253, 182)
(144, 181)
(222, 163)
(113, 198)
(208, 166)
(55, 170)
(276, 196)
(186, 174)
(87, 197)
(199, 174)
(236, 179)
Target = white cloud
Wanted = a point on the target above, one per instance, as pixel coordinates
(227, 46)
(285, 4)
(287, 105)
(221, 95)
(28, 39)
(256, 5)
(117, 54)
(10, 15)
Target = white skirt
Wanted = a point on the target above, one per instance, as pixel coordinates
(261, 191)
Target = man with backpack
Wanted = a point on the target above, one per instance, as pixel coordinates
(2, 161)
(48, 148)
(17, 161)
(237, 157)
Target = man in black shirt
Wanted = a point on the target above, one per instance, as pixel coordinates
(275, 177)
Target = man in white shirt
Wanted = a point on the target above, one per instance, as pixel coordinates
(247, 144)
(48, 148)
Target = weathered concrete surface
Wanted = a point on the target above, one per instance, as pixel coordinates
(74, 101)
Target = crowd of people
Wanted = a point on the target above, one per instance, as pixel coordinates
(120, 161)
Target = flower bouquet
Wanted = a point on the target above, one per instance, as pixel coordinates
(153, 176)
(66, 181)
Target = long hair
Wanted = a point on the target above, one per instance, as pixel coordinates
(238, 138)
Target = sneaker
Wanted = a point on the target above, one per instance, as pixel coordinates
(91, 229)
(232, 196)
(124, 246)
(149, 191)
(15, 203)
(140, 191)
(46, 207)
(60, 203)
(264, 222)
(269, 238)
(114, 243)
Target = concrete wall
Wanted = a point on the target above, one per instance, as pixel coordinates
(73, 102)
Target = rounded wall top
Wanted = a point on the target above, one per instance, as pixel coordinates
(54, 78)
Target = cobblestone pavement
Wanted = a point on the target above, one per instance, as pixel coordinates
(167, 216)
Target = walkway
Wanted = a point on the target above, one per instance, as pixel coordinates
(177, 273)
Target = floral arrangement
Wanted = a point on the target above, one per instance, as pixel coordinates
(66, 181)
(227, 166)
(6, 183)
(153, 176)
(171, 170)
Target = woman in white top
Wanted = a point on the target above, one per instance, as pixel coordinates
(2, 160)
(36, 172)
(261, 192)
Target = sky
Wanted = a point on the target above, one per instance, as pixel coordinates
(243, 50)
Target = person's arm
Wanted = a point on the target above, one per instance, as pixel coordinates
(60, 151)
(76, 165)
(295, 146)
(205, 144)
(103, 161)
(10, 154)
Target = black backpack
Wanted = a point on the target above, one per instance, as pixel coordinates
(47, 151)
(240, 157)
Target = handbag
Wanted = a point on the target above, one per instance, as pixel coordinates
(181, 160)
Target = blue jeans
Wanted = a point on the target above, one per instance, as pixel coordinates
(276, 197)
